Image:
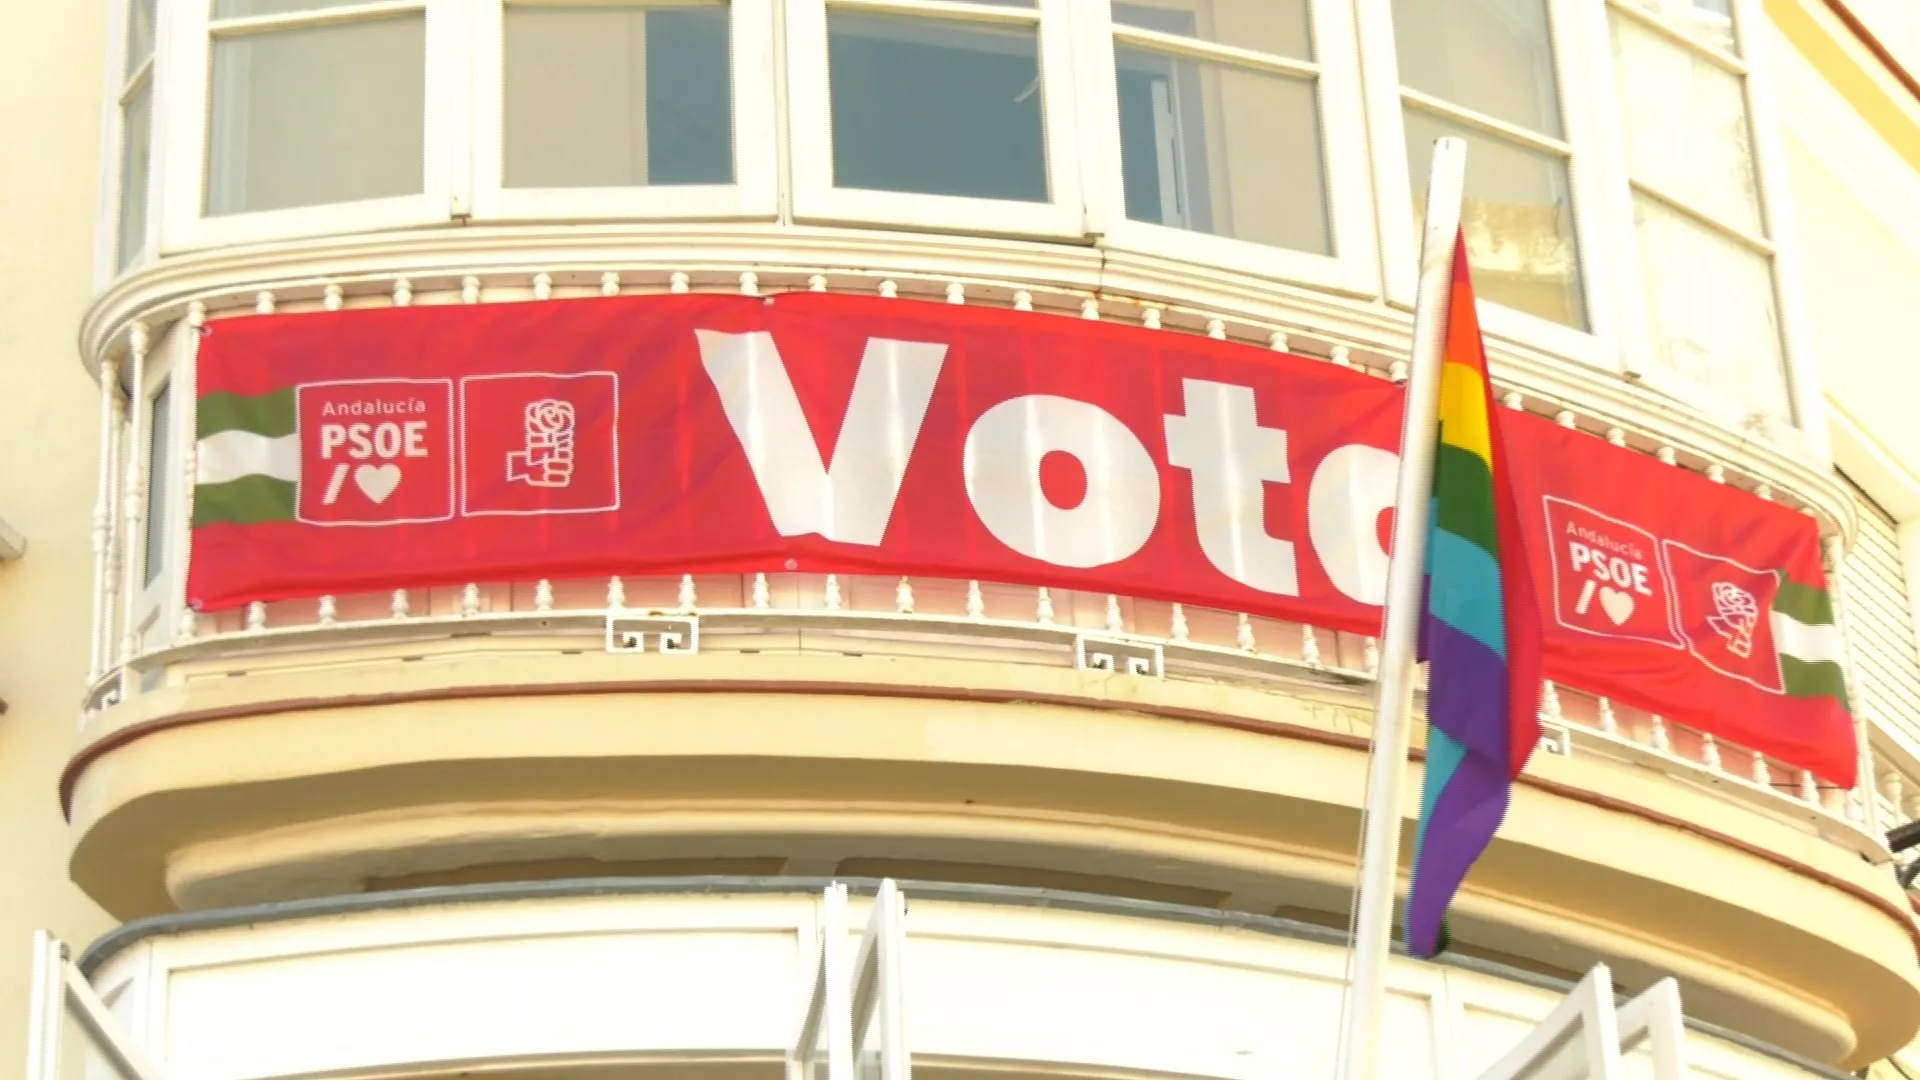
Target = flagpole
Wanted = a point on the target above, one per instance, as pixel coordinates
(1360, 1034)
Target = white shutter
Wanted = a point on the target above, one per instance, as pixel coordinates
(1886, 659)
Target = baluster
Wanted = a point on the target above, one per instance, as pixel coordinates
(1911, 810)
(1370, 657)
(543, 595)
(832, 592)
(609, 284)
(256, 616)
(616, 593)
(678, 282)
(1564, 418)
(1309, 646)
(102, 534)
(749, 283)
(687, 599)
(1150, 317)
(469, 600)
(1896, 794)
(1667, 455)
(1022, 300)
(976, 601)
(263, 302)
(1277, 341)
(762, 597)
(1243, 634)
(889, 289)
(1178, 627)
(956, 293)
(543, 286)
(903, 597)
(1116, 623)
(189, 624)
(1550, 712)
(1710, 752)
(1717, 472)
(1341, 356)
(1661, 740)
(402, 604)
(1763, 491)
(1090, 309)
(817, 283)
(470, 289)
(1761, 774)
(328, 612)
(1609, 723)
(1617, 436)
(333, 298)
(1043, 608)
(1856, 803)
(1217, 329)
(1513, 400)
(1397, 371)
(402, 292)
(1809, 789)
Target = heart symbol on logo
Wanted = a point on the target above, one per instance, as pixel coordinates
(377, 481)
(1617, 605)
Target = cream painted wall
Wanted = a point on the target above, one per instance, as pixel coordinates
(50, 87)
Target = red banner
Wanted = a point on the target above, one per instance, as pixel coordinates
(406, 448)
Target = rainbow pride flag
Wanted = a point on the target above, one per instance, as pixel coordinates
(1480, 632)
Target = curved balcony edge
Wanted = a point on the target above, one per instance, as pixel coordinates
(304, 783)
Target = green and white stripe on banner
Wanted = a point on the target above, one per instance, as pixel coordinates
(1812, 655)
(247, 459)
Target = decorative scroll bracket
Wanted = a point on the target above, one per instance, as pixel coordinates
(678, 635)
(1141, 658)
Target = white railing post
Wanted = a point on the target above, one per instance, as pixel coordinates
(133, 498)
(104, 534)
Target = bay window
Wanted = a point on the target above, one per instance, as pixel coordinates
(1705, 250)
(1615, 209)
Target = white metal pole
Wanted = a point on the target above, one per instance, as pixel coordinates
(1386, 765)
(46, 1008)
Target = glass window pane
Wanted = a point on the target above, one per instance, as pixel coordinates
(1222, 150)
(618, 96)
(240, 9)
(136, 155)
(139, 32)
(1710, 301)
(1269, 26)
(1709, 22)
(1494, 57)
(1686, 121)
(159, 482)
(1518, 217)
(317, 115)
(936, 107)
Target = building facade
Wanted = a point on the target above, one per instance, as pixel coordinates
(448, 828)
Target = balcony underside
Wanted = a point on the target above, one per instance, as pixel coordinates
(346, 773)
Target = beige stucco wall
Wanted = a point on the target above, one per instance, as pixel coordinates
(50, 87)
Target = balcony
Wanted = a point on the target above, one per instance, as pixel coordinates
(967, 731)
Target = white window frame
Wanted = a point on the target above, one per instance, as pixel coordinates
(810, 140)
(157, 603)
(113, 140)
(1601, 213)
(754, 194)
(1799, 375)
(1353, 267)
(188, 67)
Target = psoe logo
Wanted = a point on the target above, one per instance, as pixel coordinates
(1606, 576)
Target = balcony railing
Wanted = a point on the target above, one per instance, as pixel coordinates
(810, 613)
